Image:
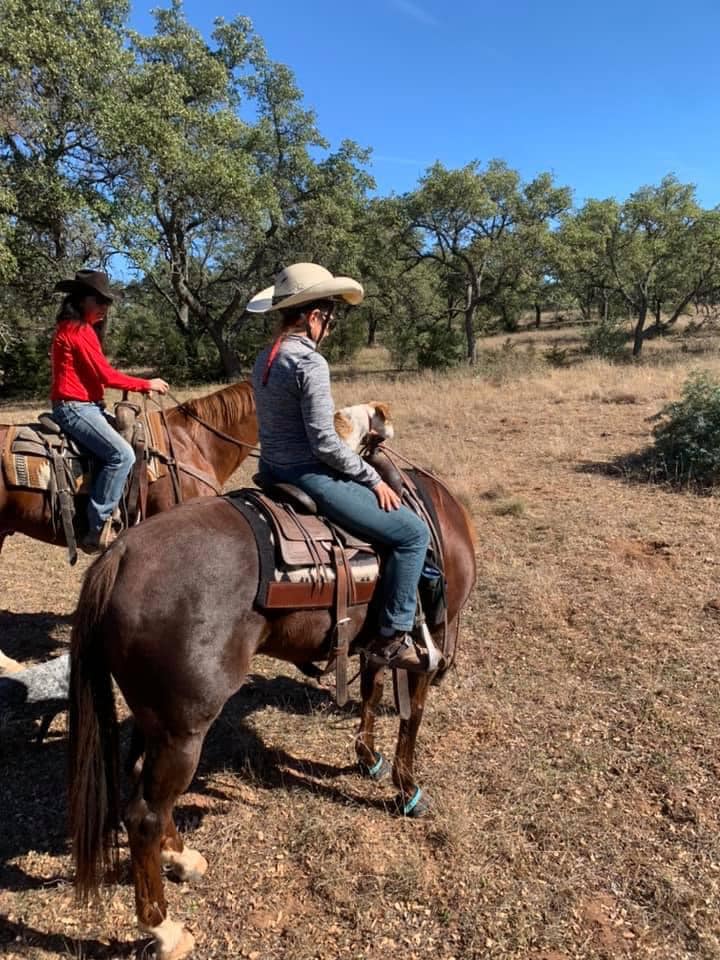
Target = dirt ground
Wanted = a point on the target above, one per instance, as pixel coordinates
(572, 757)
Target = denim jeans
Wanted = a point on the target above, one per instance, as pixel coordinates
(87, 424)
(355, 507)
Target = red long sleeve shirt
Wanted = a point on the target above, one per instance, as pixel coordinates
(80, 370)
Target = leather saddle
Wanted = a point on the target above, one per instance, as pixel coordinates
(39, 456)
(306, 562)
(303, 556)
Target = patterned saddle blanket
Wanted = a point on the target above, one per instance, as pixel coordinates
(28, 451)
(305, 561)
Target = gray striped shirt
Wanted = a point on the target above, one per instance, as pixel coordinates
(295, 412)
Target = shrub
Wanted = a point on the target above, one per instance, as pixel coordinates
(687, 438)
(439, 347)
(607, 339)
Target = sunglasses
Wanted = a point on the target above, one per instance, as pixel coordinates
(330, 321)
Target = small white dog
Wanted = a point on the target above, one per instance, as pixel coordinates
(362, 422)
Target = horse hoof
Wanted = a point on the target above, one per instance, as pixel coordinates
(380, 769)
(187, 866)
(183, 947)
(173, 941)
(418, 805)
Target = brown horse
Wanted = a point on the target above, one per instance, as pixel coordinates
(205, 458)
(178, 638)
(210, 437)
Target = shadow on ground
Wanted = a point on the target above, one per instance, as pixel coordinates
(34, 636)
(33, 775)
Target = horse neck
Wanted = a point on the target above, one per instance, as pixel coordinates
(223, 456)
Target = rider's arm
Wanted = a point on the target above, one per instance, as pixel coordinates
(313, 377)
(90, 359)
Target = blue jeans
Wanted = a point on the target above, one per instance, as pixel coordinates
(87, 424)
(355, 507)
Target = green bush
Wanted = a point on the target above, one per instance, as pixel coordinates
(687, 438)
(607, 339)
(25, 368)
(439, 348)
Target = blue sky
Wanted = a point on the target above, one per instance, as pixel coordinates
(608, 96)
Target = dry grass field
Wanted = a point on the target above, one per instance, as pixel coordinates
(573, 756)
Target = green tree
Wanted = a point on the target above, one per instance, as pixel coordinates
(663, 251)
(474, 224)
(217, 186)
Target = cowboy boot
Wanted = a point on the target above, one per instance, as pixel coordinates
(397, 653)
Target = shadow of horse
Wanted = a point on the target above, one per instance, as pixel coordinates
(25, 938)
(32, 774)
(34, 636)
(253, 762)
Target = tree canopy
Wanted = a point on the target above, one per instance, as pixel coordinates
(192, 169)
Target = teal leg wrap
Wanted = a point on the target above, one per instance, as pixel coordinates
(412, 803)
(375, 769)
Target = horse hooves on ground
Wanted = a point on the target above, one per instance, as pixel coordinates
(184, 947)
(414, 807)
(187, 866)
(377, 771)
(172, 940)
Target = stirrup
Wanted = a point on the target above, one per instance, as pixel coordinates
(397, 653)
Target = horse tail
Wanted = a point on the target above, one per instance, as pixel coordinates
(93, 769)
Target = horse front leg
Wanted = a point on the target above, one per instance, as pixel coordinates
(370, 761)
(411, 801)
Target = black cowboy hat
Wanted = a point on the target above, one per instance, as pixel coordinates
(91, 281)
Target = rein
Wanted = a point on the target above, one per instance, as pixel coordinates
(255, 450)
(172, 462)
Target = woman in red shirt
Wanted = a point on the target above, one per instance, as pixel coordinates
(80, 373)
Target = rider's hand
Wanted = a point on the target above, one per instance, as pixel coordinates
(387, 498)
(159, 385)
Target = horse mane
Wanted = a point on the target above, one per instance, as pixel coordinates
(228, 405)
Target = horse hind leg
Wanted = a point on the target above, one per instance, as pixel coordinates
(167, 770)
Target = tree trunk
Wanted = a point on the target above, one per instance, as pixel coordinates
(538, 316)
(372, 330)
(228, 357)
(470, 334)
(639, 328)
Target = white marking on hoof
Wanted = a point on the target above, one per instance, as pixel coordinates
(8, 666)
(187, 864)
(173, 941)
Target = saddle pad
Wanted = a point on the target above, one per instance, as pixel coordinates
(308, 584)
(26, 463)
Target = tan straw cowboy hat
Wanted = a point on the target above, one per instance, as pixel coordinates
(89, 281)
(302, 283)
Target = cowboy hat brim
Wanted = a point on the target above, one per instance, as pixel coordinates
(71, 286)
(337, 288)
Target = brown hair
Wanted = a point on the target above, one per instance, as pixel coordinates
(289, 317)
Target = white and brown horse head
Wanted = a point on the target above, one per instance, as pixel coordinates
(364, 424)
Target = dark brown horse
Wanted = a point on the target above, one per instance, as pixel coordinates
(168, 611)
(205, 458)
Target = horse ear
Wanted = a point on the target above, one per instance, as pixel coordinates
(343, 425)
(383, 409)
